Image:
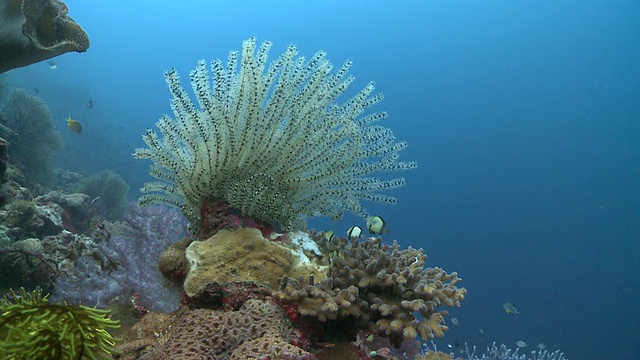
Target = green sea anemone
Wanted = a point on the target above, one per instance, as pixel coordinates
(32, 328)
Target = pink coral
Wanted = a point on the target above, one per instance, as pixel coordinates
(218, 215)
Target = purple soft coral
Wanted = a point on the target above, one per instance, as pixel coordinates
(133, 264)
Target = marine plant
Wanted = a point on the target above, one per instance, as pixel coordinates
(33, 328)
(109, 192)
(271, 140)
(28, 127)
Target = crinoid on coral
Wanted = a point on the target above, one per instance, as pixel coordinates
(28, 127)
(33, 328)
(271, 140)
(382, 285)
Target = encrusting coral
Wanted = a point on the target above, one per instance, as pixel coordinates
(242, 255)
(271, 141)
(380, 284)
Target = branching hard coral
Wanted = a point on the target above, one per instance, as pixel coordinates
(383, 285)
(28, 127)
(32, 328)
(502, 352)
(271, 140)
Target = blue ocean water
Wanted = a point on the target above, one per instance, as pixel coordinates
(524, 117)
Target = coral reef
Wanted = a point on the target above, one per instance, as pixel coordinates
(172, 262)
(4, 162)
(382, 285)
(243, 255)
(434, 355)
(271, 141)
(33, 328)
(108, 192)
(24, 263)
(35, 247)
(258, 330)
(28, 127)
(36, 30)
(76, 213)
(381, 347)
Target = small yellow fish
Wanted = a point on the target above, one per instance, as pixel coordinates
(74, 125)
(376, 225)
(329, 236)
(510, 309)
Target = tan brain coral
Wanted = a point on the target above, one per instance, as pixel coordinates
(242, 255)
(258, 330)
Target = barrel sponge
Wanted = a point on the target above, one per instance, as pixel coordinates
(383, 285)
(242, 255)
(257, 330)
(36, 30)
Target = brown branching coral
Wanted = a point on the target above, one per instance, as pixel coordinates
(383, 285)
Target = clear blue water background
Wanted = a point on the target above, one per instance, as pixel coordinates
(523, 115)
